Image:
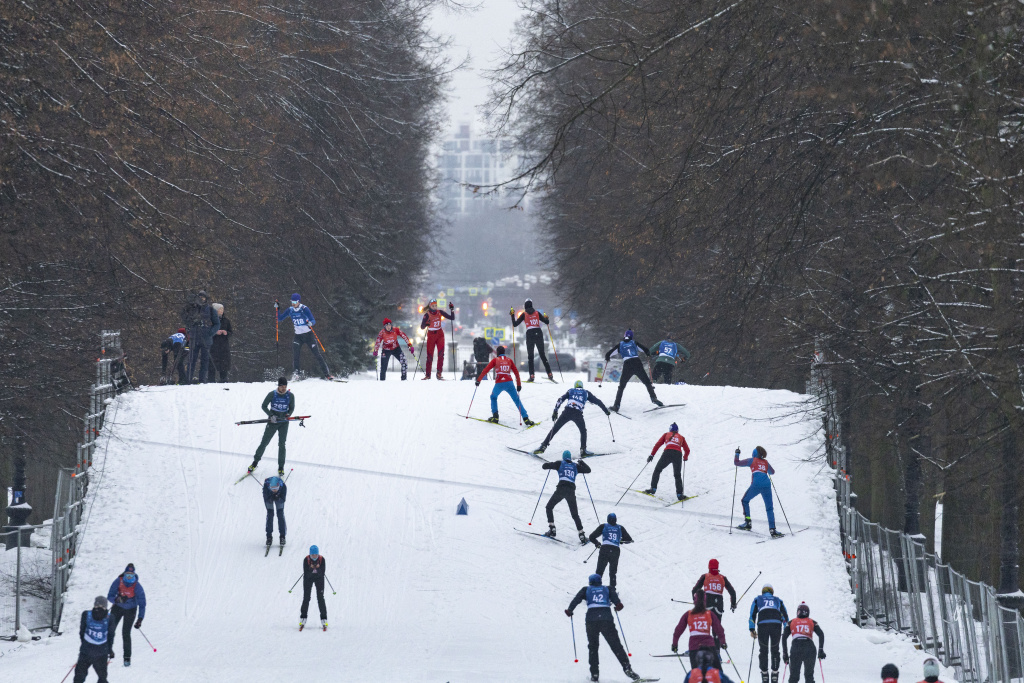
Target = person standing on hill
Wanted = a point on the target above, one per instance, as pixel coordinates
(202, 323)
(94, 634)
(534, 335)
(599, 623)
(275, 492)
(770, 614)
(612, 535)
(303, 321)
(388, 339)
(504, 369)
(667, 355)
(173, 348)
(629, 349)
(279, 406)
(714, 584)
(433, 323)
(802, 629)
(565, 490)
(760, 485)
(705, 631)
(220, 348)
(482, 352)
(129, 600)
(576, 400)
(676, 451)
(314, 569)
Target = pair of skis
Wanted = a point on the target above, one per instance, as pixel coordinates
(540, 457)
(662, 500)
(550, 538)
(300, 418)
(500, 424)
(302, 626)
(279, 552)
(651, 410)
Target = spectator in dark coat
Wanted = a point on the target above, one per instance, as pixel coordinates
(220, 349)
(202, 323)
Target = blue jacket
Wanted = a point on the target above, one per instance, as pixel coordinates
(767, 609)
(599, 602)
(269, 496)
(126, 603)
(301, 316)
(578, 399)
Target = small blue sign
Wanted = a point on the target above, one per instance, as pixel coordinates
(558, 312)
(463, 508)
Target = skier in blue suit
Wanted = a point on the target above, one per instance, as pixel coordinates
(629, 350)
(760, 485)
(575, 401)
(303, 320)
(770, 614)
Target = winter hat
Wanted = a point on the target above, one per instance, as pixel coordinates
(100, 602)
(595, 579)
(130, 568)
(566, 455)
(387, 321)
(628, 335)
(760, 452)
(282, 381)
(314, 550)
(673, 427)
(611, 518)
(296, 297)
(202, 293)
(767, 588)
(890, 673)
(528, 304)
(931, 669)
(182, 330)
(803, 611)
(274, 484)
(713, 566)
(500, 351)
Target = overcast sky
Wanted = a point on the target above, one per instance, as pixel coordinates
(478, 35)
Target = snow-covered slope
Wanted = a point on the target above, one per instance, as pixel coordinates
(423, 594)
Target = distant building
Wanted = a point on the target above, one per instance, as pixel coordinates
(468, 160)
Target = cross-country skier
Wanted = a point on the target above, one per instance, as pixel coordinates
(576, 399)
(314, 569)
(388, 338)
(433, 321)
(565, 489)
(202, 322)
(275, 492)
(931, 671)
(279, 406)
(668, 354)
(770, 614)
(802, 629)
(94, 634)
(599, 623)
(534, 335)
(714, 584)
(676, 451)
(129, 599)
(705, 631)
(760, 485)
(612, 534)
(173, 348)
(705, 671)
(890, 674)
(303, 321)
(629, 349)
(504, 368)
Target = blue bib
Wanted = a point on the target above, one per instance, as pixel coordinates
(577, 398)
(612, 534)
(567, 471)
(95, 631)
(598, 597)
(627, 349)
(177, 338)
(768, 603)
(279, 404)
(669, 349)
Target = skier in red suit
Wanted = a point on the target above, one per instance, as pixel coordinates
(433, 318)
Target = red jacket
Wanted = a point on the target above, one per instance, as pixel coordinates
(390, 339)
(673, 441)
(704, 629)
(432, 320)
(504, 367)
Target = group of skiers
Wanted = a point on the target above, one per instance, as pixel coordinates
(125, 600)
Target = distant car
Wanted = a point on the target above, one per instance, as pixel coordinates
(565, 362)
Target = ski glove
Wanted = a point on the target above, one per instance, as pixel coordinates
(273, 419)
(519, 387)
(618, 607)
(554, 416)
(785, 659)
(733, 607)
(753, 633)
(821, 654)
(478, 382)
(650, 458)
(675, 648)
(607, 412)
(451, 306)
(138, 623)
(568, 613)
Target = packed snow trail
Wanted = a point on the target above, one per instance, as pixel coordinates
(423, 594)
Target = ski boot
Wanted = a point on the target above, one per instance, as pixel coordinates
(403, 377)
(280, 473)
(329, 378)
(543, 447)
(775, 676)
(680, 496)
(528, 422)
(270, 540)
(551, 377)
(584, 453)
(775, 534)
(439, 375)
(302, 623)
(746, 526)
(531, 379)
(593, 677)
(323, 624)
(583, 538)
(651, 491)
(764, 677)
(127, 661)
(657, 403)
(632, 674)
(427, 376)
(493, 418)
(251, 468)
(282, 539)
(551, 531)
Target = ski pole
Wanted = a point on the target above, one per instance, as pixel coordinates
(732, 508)
(590, 555)
(296, 583)
(69, 672)
(784, 666)
(631, 483)
(628, 653)
(822, 669)
(512, 311)
(318, 340)
(455, 349)
(610, 426)
(277, 332)
(684, 480)
(751, 666)
(414, 372)
(555, 352)
(572, 625)
(734, 667)
(681, 602)
(596, 516)
(780, 505)
(748, 588)
(471, 403)
(538, 498)
(147, 640)
(333, 592)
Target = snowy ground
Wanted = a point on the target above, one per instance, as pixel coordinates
(423, 594)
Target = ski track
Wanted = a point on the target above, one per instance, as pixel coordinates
(423, 594)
